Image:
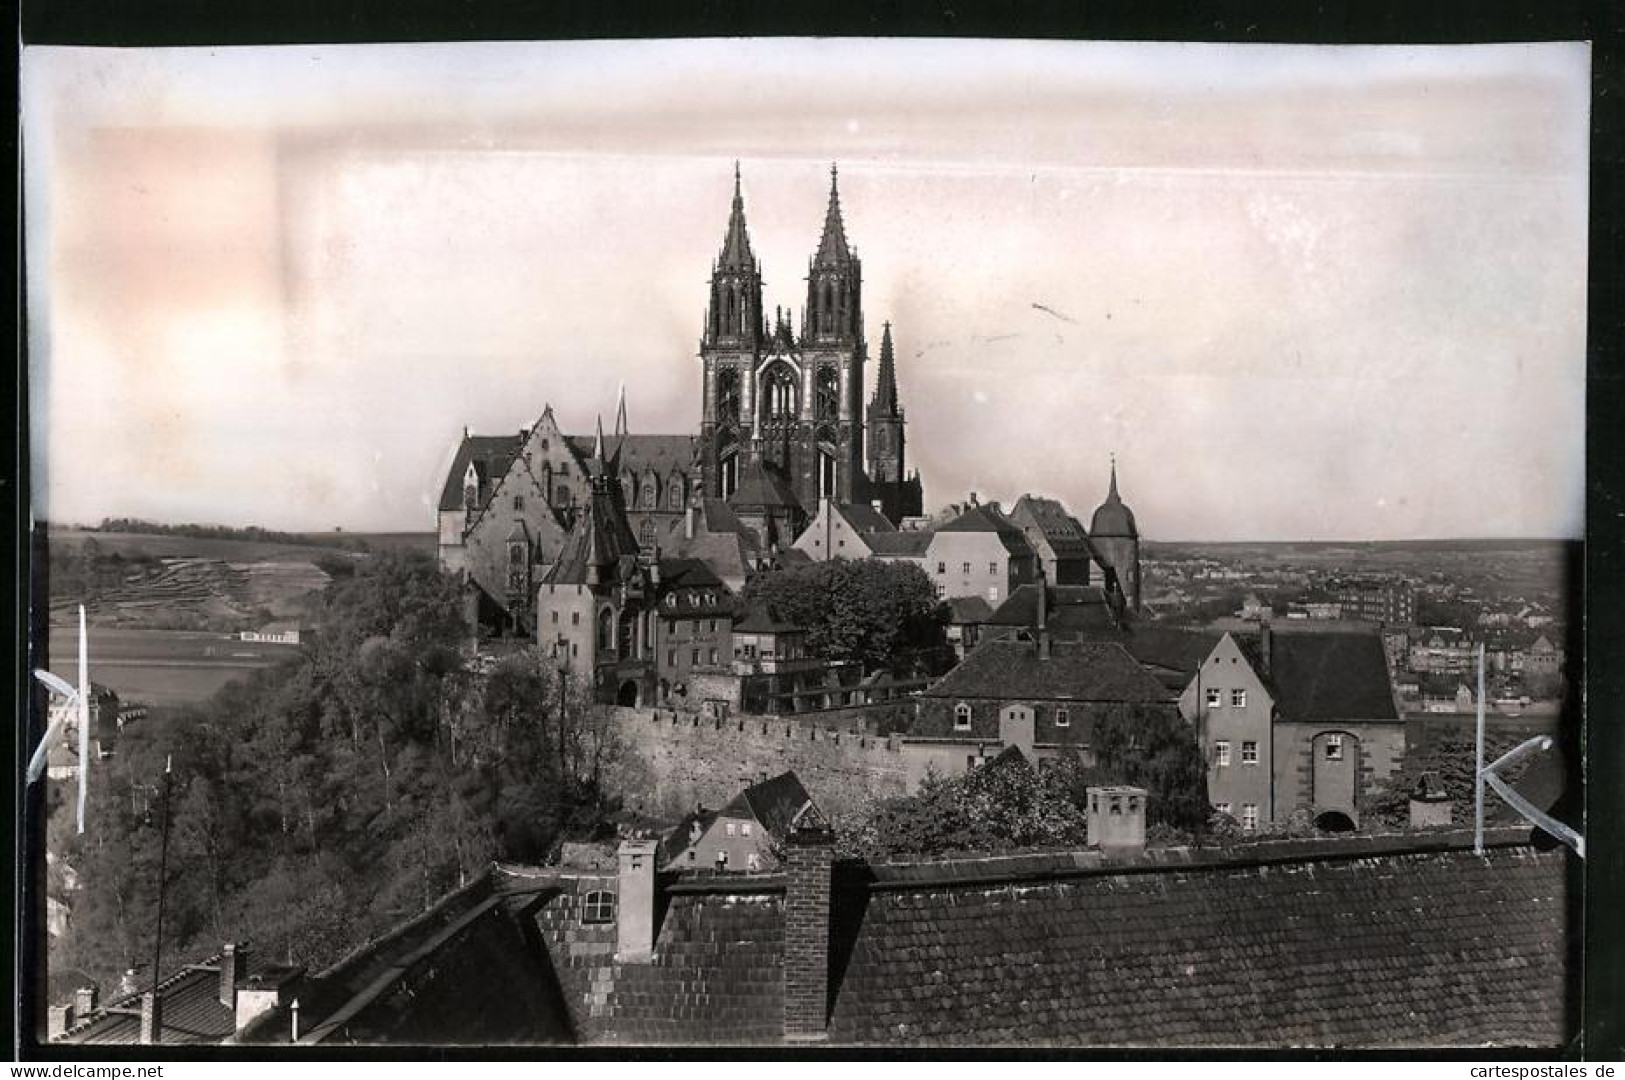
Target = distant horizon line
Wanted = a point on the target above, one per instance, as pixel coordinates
(339, 530)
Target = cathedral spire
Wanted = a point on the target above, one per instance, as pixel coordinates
(832, 247)
(736, 254)
(886, 385)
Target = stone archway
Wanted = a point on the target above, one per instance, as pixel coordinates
(1334, 821)
(627, 695)
(1336, 774)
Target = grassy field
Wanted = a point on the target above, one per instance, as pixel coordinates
(153, 545)
(161, 667)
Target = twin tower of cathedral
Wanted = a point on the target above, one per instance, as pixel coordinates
(783, 418)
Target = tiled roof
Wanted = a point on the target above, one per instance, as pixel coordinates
(865, 519)
(638, 454)
(985, 519)
(1077, 671)
(491, 455)
(1060, 529)
(1069, 608)
(1396, 949)
(600, 538)
(1336, 675)
(760, 485)
(907, 543)
(190, 1010)
(760, 620)
(775, 803)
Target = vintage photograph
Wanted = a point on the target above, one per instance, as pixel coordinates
(880, 543)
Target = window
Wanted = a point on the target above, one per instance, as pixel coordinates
(713, 659)
(1213, 699)
(555, 618)
(971, 762)
(962, 717)
(518, 502)
(744, 828)
(1238, 699)
(598, 907)
(993, 568)
(839, 543)
(690, 854)
(1221, 754)
(1249, 816)
(1334, 748)
(967, 568)
(993, 594)
(1063, 717)
(730, 828)
(722, 860)
(696, 658)
(1249, 753)
(753, 862)
(1222, 808)
(942, 568)
(942, 591)
(575, 618)
(671, 657)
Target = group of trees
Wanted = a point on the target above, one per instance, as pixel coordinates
(882, 615)
(1013, 803)
(323, 800)
(253, 533)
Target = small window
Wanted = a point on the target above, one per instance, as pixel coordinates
(942, 590)
(575, 618)
(962, 717)
(993, 568)
(695, 659)
(1214, 700)
(671, 657)
(753, 862)
(1249, 753)
(1117, 804)
(1334, 748)
(1219, 808)
(942, 568)
(744, 828)
(555, 618)
(966, 571)
(518, 502)
(730, 828)
(971, 762)
(1238, 699)
(713, 656)
(1221, 754)
(722, 860)
(1063, 717)
(838, 543)
(691, 855)
(598, 907)
(993, 594)
(1249, 816)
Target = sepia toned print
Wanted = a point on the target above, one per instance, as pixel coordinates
(753, 543)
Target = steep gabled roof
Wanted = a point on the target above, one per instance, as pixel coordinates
(638, 454)
(985, 519)
(1330, 676)
(762, 486)
(491, 455)
(864, 518)
(1074, 671)
(776, 803)
(600, 539)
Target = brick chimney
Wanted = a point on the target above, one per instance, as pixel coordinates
(85, 1000)
(1116, 819)
(809, 853)
(152, 1019)
(635, 902)
(233, 961)
(58, 1019)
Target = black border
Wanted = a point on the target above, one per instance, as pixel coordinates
(245, 22)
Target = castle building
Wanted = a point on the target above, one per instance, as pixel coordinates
(781, 427)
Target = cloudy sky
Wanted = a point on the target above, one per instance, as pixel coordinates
(1301, 292)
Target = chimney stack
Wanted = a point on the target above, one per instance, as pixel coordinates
(1043, 616)
(1430, 804)
(58, 1019)
(809, 854)
(152, 1020)
(85, 1000)
(635, 902)
(232, 963)
(1117, 819)
(688, 522)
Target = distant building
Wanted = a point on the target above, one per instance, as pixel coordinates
(742, 835)
(1116, 542)
(1042, 697)
(980, 553)
(274, 633)
(1059, 539)
(1387, 603)
(694, 627)
(838, 531)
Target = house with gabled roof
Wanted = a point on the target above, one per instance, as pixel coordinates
(841, 530)
(980, 553)
(1296, 719)
(743, 835)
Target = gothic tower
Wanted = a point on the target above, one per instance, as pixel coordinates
(730, 347)
(787, 406)
(899, 496)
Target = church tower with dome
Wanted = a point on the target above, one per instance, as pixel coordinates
(1116, 540)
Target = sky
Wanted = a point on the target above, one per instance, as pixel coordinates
(1300, 292)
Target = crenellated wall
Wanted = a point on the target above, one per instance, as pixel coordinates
(671, 761)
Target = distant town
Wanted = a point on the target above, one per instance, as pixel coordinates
(734, 736)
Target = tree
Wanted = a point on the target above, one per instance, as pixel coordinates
(1153, 747)
(880, 614)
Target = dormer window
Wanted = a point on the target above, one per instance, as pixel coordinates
(1063, 717)
(598, 907)
(961, 717)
